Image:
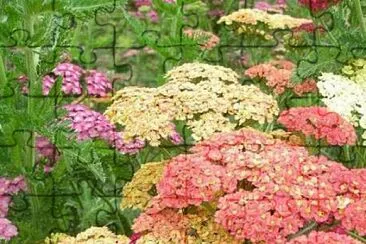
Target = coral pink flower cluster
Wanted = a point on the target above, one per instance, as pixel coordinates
(321, 123)
(318, 5)
(96, 82)
(308, 86)
(276, 73)
(48, 152)
(89, 124)
(263, 188)
(8, 187)
(324, 238)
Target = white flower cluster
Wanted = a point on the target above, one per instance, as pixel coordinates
(344, 97)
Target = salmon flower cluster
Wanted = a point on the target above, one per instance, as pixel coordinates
(253, 187)
(207, 40)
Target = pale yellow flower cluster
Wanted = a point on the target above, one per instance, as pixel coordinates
(90, 236)
(204, 229)
(356, 71)
(136, 192)
(209, 98)
(259, 22)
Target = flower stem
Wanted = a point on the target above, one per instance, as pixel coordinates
(3, 79)
(359, 15)
(311, 226)
(355, 236)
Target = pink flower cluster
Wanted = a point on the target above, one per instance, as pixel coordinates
(8, 187)
(321, 123)
(324, 238)
(96, 82)
(89, 124)
(24, 84)
(276, 73)
(265, 6)
(217, 9)
(308, 86)
(266, 189)
(151, 13)
(318, 5)
(48, 152)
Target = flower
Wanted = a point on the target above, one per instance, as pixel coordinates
(209, 39)
(209, 98)
(260, 23)
(308, 86)
(97, 83)
(321, 123)
(8, 187)
(321, 237)
(318, 5)
(48, 152)
(276, 73)
(136, 193)
(91, 235)
(89, 124)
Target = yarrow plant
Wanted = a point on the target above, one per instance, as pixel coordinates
(318, 5)
(208, 39)
(260, 23)
(8, 187)
(256, 188)
(89, 124)
(202, 95)
(320, 123)
(345, 97)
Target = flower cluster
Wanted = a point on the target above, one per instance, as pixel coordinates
(91, 235)
(276, 73)
(89, 124)
(321, 123)
(318, 5)
(356, 71)
(275, 8)
(46, 151)
(324, 238)
(8, 187)
(344, 97)
(97, 83)
(145, 10)
(307, 86)
(208, 39)
(260, 23)
(255, 187)
(138, 192)
(203, 95)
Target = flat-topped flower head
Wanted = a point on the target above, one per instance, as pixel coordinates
(91, 235)
(321, 123)
(208, 98)
(260, 23)
(207, 39)
(321, 237)
(318, 5)
(89, 124)
(138, 192)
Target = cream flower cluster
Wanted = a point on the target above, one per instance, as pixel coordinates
(90, 236)
(259, 22)
(208, 98)
(344, 97)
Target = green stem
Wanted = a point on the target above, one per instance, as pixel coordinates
(30, 157)
(311, 226)
(3, 79)
(359, 15)
(347, 153)
(355, 236)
